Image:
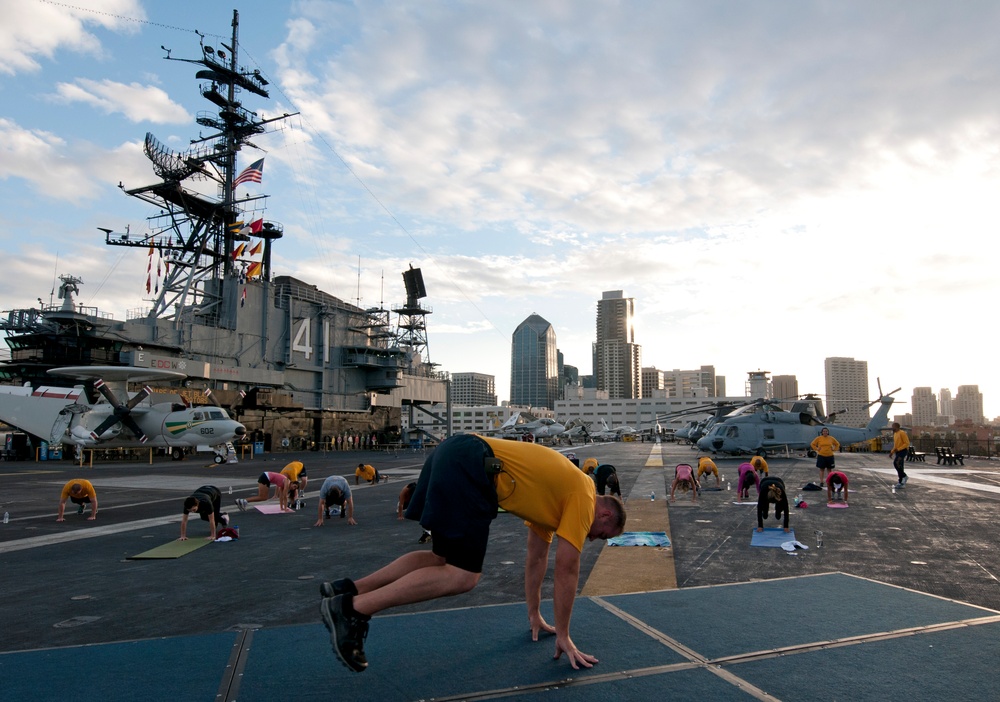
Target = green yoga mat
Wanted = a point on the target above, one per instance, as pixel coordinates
(172, 549)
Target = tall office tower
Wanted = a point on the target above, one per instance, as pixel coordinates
(708, 380)
(785, 388)
(473, 389)
(534, 365)
(569, 375)
(847, 390)
(720, 386)
(617, 358)
(653, 381)
(945, 408)
(924, 405)
(968, 404)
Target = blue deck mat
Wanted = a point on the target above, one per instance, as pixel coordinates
(445, 653)
(956, 664)
(771, 537)
(180, 668)
(863, 607)
(692, 685)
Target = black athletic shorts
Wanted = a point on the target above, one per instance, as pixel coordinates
(825, 461)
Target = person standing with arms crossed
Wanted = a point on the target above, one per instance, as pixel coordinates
(824, 445)
(900, 447)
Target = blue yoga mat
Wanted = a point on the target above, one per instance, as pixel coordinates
(772, 537)
(640, 538)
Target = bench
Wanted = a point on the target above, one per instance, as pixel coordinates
(948, 457)
(912, 455)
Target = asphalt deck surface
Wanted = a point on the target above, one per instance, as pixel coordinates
(72, 583)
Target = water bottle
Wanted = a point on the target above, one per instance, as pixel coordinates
(819, 539)
(652, 496)
(6, 517)
(230, 489)
(728, 488)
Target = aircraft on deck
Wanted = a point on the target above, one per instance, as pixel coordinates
(763, 426)
(522, 423)
(62, 415)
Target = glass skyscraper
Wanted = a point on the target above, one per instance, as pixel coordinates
(534, 364)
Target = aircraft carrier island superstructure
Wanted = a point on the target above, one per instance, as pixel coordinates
(311, 366)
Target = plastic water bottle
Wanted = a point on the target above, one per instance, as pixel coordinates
(652, 496)
(6, 517)
(230, 489)
(819, 539)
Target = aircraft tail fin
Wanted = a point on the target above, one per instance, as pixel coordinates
(881, 417)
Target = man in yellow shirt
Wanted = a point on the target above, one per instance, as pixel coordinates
(80, 492)
(369, 474)
(296, 473)
(900, 447)
(824, 445)
(707, 465)
(461, 487)
(759, 464)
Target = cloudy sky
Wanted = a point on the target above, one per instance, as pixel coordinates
(774, 182)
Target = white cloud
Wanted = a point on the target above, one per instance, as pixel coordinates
(139, 103)
(37, 30)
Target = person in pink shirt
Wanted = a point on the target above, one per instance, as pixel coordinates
(267, 479)
(684, 476)
(748, 474)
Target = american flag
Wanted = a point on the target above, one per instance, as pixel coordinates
(250, 174)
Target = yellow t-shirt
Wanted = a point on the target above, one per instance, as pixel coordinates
(543, 488)
(292, 470)
(88, 489)
(759, 463)
(365, 472)
(900, 441)
(589, 466)
(707, 465)
(825, 445)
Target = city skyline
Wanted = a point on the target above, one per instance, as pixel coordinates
(774, 185)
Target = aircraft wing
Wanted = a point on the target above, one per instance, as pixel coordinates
(34, 413)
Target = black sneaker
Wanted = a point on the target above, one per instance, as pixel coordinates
(80, 510)
(424, 538)
(905, 478)
(347, 633)
(326, 514)
(344, 586)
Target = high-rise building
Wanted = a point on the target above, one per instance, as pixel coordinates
(617, 358)
(968, 404)
(785, 388)
(708, 381)
(653, 382)
(924, 404)
(946, 408)
(473, 389)
(534, 365)
(687, 383)
(847, 390)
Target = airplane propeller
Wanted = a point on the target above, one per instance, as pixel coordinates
(234, 406)
(122, 412)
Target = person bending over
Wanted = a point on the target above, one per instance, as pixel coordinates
(206, 502)
(684, 478)
(707, 465)
(335, 492)
(461, 487)
(772, 491)
(81, 493)
(836, 487)
(748, 476)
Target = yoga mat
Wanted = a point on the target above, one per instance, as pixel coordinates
(837, 505)
(172, 549)
(269, 508)
(771, 537)
(745, 503)
(641, 538)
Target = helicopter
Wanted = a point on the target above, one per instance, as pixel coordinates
(764, 426)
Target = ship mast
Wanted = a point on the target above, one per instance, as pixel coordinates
(197, 234)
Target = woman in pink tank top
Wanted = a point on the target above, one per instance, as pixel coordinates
(266, 480)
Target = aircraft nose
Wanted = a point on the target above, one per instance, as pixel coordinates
(240, 430)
